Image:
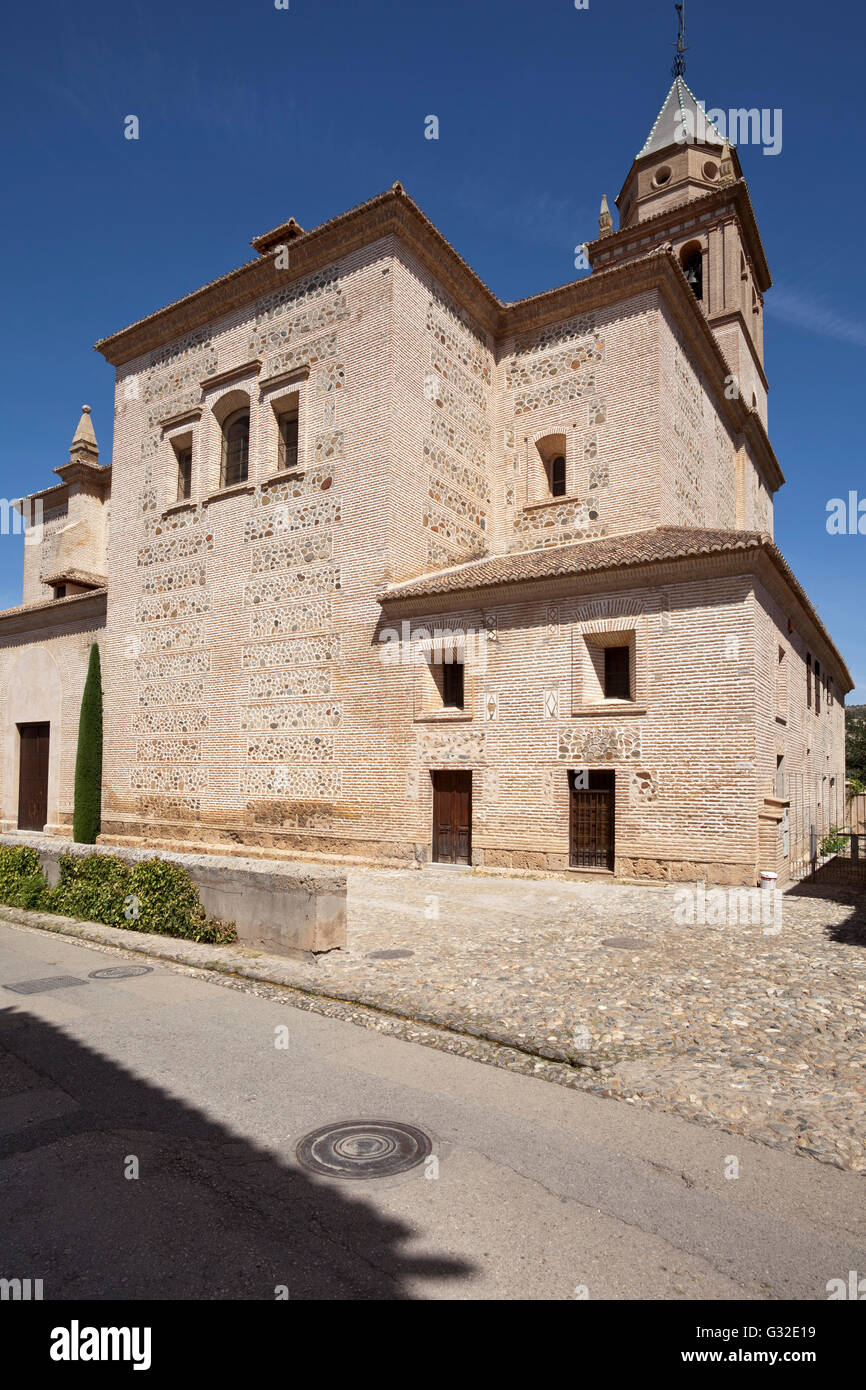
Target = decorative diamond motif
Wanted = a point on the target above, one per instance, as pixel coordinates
(491, 705)
(551, 704)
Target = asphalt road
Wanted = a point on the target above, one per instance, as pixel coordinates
(541, 1192)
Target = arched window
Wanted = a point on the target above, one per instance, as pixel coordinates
(692, 262)
(236, 448)
(557, 476)
(553, 480)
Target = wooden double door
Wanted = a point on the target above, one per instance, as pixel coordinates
(452, 817)
(592, 820)
(33, 776)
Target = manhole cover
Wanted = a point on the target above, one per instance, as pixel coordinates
(41, 986)
(363, 1149)
(389, 955)
(626, 943)
(120, 972)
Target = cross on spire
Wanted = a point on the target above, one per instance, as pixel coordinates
(678, 67)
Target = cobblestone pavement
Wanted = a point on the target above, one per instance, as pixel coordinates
(759, 1031)
(597, 986)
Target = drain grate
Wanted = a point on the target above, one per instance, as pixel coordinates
(363, 1149)
(626, 943)
(395, 954)
(120, 972)
(42, 986)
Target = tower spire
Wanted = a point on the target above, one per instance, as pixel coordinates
(678, 68)
(84, 445)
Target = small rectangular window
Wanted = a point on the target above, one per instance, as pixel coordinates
(452, 685)
(808, 680)
(184, 474)
(289, 441)
(817, 687)
(782, 684)
(60, 591)
(780, 776)
(617, 674)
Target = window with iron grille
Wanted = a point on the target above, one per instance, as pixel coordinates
(184, 474)
(557, 476)
(236, 449)
(289, 441)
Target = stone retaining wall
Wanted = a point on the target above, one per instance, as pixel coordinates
(292, 909)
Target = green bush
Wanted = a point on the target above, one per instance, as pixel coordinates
(152, 896)
(30, 893)
(87, 809)
(833, 843)
(92, 887)
(22, 883)
(16, 864)
(165, 899)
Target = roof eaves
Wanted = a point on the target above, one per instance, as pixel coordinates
(300, 241)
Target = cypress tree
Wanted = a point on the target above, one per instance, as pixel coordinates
(88, 757)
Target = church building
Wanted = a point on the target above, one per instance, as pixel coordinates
(386, 569)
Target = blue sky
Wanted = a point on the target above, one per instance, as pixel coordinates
(249, 115)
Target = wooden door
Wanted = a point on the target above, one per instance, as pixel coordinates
(33, 776)
(452, 817)
(592, 821)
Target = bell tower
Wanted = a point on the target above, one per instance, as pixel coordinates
(686, 190)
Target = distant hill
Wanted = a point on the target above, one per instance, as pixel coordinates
(855, 711)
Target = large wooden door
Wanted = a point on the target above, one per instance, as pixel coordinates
(452, 817)
(592, 820)
(33, 776)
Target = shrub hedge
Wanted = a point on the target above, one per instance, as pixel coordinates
(153, 896)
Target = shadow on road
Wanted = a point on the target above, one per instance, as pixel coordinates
(210, 1216)
(851, 932)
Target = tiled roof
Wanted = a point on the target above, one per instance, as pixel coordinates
(581, 557)
(663, 543)
(669, 121)
(49, 605)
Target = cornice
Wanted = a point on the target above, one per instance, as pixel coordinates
(395, 214)
(392, 213)
(712, 201)
(93, 475)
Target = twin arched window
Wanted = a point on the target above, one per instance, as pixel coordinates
(235, 448)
